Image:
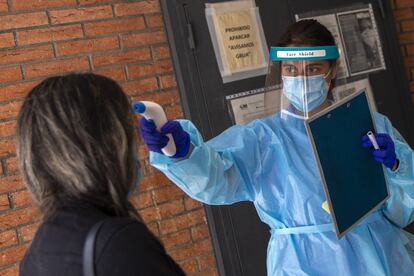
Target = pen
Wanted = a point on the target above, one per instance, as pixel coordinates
(371, 137)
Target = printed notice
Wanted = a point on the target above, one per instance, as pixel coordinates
(238, 39)
(357, 36)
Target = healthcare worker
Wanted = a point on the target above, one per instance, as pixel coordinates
(270, 162)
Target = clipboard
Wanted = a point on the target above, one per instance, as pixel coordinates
(354, 184)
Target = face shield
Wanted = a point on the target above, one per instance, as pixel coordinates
(300, 79)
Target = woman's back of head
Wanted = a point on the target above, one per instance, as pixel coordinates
(75, 141)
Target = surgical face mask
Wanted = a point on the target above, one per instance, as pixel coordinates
(137, 181)
(305, 93)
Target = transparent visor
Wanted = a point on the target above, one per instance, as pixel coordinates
(299, 80)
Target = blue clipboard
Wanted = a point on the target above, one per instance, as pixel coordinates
(354, 184)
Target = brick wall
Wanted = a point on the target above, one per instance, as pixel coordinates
(404, 22)
(124, 40)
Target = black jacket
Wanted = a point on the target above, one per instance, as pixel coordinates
(123, 247)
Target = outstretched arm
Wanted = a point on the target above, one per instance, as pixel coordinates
(221, 171)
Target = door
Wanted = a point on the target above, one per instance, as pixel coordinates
(239, 238)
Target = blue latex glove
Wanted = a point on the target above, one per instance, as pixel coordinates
(156, 140)
(386, 154)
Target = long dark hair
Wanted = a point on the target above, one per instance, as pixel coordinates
(76, 142)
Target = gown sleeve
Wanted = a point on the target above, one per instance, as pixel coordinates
(400, 207)
(221, 171)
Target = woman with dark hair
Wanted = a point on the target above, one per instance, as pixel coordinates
(77, 153)
(270, 162)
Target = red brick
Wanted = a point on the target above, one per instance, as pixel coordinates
(404, 3)
(142, 200)
(207, 262)
(153, 227)
(190, 267)
(168, 81)
(49, 34)
(153, 181)
(191, 204)
(167, 193)
(8, 238)
(7, 128)
(150, 214)
(409, 61)
(141, 39)
(174, 112)
(211, 272)
(57, 67)
(406, 37)
(162, 98)
(122, 57)
(88, 46)
(192, 250)
(3, 6)
(91, 2)
(10, 110)
(9, 183)
(26, 54)
(19, 5)
(155, 21)
(4, 204)
(27, 232)
(181, 222)
(22, 198)
(9, 74)
(114, 26)
(140, 86)
(11, 164)
(402, 14)
(18, 217)
(410, 49)
(171, 208)
(82, 14)
(177, 239)
(10, 271)
(159, 67)
(407, 25)
(199, 232)
(16, 91)
(161, 52)
(137, 8)
(12, 255)
(117, 73)
(7, 147)
(7, 40)
(1, 171)
(17, 21)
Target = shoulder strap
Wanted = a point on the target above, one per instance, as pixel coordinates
(89, 249)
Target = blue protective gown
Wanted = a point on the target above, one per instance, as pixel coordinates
(270, 163)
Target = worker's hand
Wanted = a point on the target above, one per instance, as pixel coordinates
(386, 154)
(156, 140)
(152, 137)
(181, 137)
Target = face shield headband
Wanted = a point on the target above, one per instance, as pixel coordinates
(304, 53)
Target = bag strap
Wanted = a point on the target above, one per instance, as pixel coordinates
(89, 249)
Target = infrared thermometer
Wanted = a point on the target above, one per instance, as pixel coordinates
(154, 112)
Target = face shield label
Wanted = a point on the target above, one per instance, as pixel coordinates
(301, 54)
